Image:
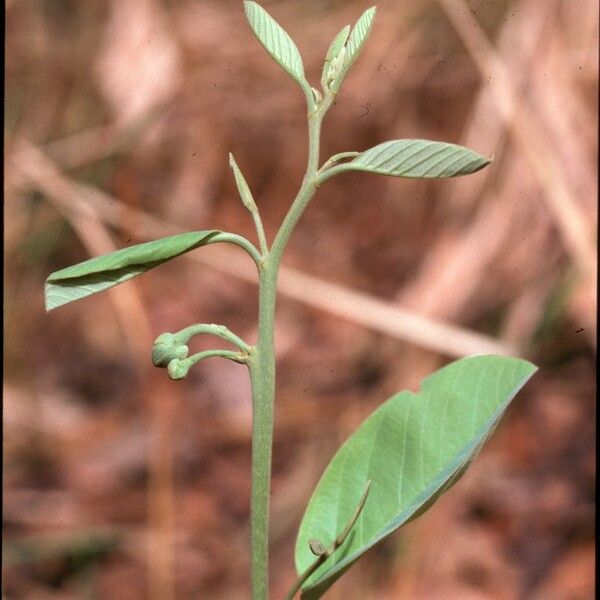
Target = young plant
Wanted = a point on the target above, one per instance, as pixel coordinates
(414, 446)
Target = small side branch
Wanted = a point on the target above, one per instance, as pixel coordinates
(178, 368)
(238, 357)
(185, 335)
(170, 350)
(324, 553)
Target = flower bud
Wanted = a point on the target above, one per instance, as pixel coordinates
(166, 348)
(165, 338)
(178, 369)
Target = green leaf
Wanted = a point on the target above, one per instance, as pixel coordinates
(242, 186)
(417, 158)
(412, 448)
(360, 33)
(103, 272)
(334, 50)
(276, 42)
(355, 44)
(338, 43)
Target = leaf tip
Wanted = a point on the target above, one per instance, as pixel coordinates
(484, 162)
(249, 6)
(532, 367)
(49, 303)
(370, 15)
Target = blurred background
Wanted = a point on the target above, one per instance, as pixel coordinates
(119, 116)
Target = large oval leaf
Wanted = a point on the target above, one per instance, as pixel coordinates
(417, 158)
(103, 272)
(276, 42)
(412, 448)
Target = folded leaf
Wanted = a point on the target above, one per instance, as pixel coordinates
(242, 185)
(103, 272)
(417, 158)
(276, 42)
(337, 44)
(355, 43)
(334, 50)
(359, 34)
(412, 448)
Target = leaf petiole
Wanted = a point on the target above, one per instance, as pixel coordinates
(242, 242)
(335, 159)
(325, 554)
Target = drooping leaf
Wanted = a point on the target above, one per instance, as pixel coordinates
(355, 43)
(276, 42)
(412, 448)
(103, 272)
(417, 158)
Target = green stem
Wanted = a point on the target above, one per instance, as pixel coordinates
(185, 335)
(261, 363)
(309, 185)
(262, 376)
(178, 368)
(239, 357)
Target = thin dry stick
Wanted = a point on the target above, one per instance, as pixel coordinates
(523, 44)
(388, 318)
(134, 323)
(567, 118)
(456, 275)
(453, 264)
(358, 307)
(518, 42)
(574, 229)
(93, 144)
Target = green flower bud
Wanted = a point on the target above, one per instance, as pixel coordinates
(165, 338)
(166, 348)
(178, 369)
